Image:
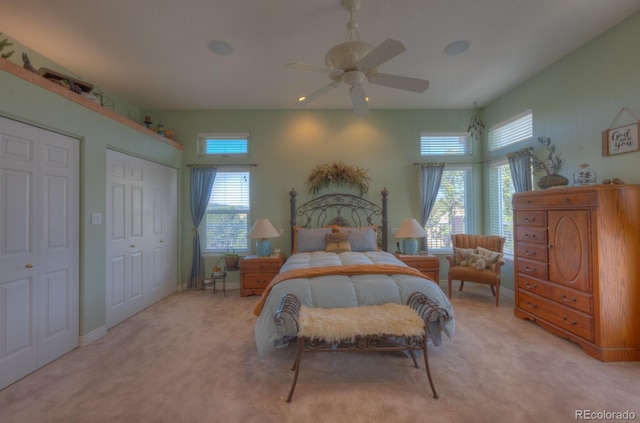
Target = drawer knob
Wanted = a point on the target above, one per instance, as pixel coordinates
(567, 321)
(531, 305)
(528, 285)
(527, 236)
(530, 253)
(526, 219)
(567, 299)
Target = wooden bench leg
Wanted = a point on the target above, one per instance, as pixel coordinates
(296, 367)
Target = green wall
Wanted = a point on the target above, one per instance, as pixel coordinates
(287, 145)
(28, 103)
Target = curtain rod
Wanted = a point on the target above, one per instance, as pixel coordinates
(450, 163)
(222, 165)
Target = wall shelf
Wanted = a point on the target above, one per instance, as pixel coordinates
(44, 83)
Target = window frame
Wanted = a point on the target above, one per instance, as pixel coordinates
(496, 141)
(468, 209)
(205, 137)
(497, 213)
(204, 232)
(467, 150)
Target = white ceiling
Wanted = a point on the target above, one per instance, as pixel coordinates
(154, 53)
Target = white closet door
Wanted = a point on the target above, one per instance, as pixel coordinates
(141, 227)
(39, 251)
(58, 246)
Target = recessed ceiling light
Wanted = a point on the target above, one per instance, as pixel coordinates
(457, 47)
(220, 47)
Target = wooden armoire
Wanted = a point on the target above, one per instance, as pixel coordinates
(577, 266)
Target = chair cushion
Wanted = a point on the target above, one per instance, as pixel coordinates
(466, 273)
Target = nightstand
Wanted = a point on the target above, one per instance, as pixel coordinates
(427, 264)
(256, 273)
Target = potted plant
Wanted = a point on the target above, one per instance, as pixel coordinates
(231, 261)
(551, 165)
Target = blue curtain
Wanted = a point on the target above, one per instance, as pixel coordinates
(201, 183)
(520, 167)
(430, 178)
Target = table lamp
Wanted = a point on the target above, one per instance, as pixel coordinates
(410, 229)
(263, 229)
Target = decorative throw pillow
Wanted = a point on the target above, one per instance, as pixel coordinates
(338, 242)
(492, 257)
(462, 254)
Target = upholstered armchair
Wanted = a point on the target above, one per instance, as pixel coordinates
(477, 258)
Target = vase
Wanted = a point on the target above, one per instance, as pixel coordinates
(554, 180)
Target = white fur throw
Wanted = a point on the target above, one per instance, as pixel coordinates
(342, 324)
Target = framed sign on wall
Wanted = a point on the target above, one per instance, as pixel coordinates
(623, 139)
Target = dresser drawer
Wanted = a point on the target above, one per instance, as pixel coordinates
(552, 199)
(259, 281)
(532, 268)
(563, 317)
(531, 218)
(531, 234)
(248, 266)
(531, 251)
(569, 297)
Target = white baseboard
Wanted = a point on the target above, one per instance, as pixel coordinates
(85, 340)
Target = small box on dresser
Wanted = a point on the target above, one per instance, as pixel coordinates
(256, 273)
(577, 266)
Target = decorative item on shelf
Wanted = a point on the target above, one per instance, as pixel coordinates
(551, 165)
(584, 176)
(147, 121)
(410, 229)
(263, 229)
(161, 129)
(5, 43)
(616, 181)
(169, 134)
(476, 125)
(322, 176)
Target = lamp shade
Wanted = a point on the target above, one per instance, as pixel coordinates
(263, 229)
(410, 229)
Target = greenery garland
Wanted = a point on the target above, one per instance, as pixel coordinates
(322, 176)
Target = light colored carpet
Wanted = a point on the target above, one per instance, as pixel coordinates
(192, 358)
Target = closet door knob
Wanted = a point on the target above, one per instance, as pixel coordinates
(28, 266)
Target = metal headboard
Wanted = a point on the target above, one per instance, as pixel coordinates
(342, 210)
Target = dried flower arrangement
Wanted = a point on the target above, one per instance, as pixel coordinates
(340, 174)
(5, 43)
(552, 163)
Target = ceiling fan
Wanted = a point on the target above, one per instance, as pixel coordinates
(354, 62)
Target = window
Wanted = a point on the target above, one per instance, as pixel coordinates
(451, 213)
(518, 128)
(445, 145)
(223, 144)
(500, 213)
(226, 221)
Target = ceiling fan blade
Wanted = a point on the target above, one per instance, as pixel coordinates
(306, 67)
(316, 94)
(359, 100)
(400, 82)
(387, 50)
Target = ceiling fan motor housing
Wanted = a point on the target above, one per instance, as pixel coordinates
(345, 56)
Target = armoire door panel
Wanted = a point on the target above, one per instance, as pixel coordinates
(569, 248)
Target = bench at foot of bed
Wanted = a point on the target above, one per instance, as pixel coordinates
(385, 327)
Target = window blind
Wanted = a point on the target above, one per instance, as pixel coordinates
(445, 145)
(516, 129)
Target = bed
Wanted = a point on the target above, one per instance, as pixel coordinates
(339, 258)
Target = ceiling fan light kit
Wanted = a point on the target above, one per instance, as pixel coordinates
(355, 62)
